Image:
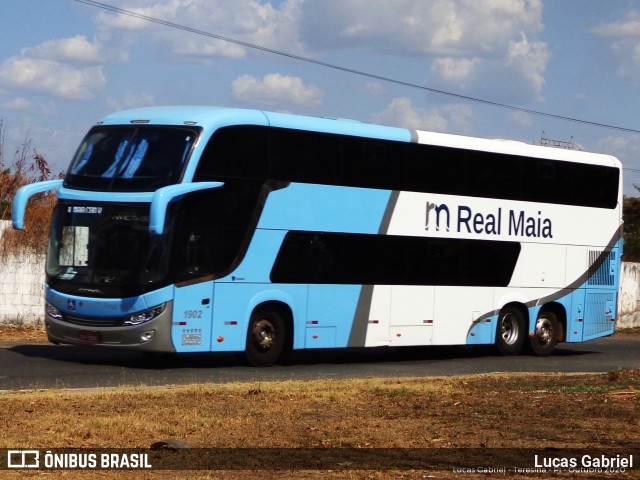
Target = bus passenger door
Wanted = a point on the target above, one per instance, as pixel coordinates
(411, 315)
(192, 314)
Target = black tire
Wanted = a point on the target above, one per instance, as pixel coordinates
(545, 335)
(265, 338)
(510, 332)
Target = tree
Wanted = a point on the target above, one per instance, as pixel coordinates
(26, 166)
(631, 217)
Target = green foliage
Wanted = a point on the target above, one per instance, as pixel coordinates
(631, 217)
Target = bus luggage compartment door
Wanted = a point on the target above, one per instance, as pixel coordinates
(412, 310)
(599, 314)
(192, 313)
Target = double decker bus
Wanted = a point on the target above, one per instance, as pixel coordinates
(201, 229)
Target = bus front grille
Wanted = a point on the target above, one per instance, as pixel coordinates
(94, 322)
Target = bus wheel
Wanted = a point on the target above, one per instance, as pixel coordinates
(510, 332)
(545, 336)
(265, 338)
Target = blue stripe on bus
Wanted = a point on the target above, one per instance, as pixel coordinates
(107, 307)
(314, 207)
(90, 196)
(338, 126)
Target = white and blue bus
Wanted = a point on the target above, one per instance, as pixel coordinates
(188, 229)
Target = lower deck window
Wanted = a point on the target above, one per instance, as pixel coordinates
(347, 258)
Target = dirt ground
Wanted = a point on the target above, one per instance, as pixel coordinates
(22, 333)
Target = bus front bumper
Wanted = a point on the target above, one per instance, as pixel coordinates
(152, 336)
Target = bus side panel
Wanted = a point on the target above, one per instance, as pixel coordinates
(235, 302)
(325, 208)
(191, 325)
(456, 309)
(330, 315)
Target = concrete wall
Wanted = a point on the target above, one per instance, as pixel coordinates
(22, 290)
(22, 280)
(629, 298)
(21, 287)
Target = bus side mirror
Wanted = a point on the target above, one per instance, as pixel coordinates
(24, 194)
(165, 195)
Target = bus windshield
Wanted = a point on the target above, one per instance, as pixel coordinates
(131, 158)
(105, 250)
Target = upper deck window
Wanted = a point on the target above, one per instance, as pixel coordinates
(131, 158)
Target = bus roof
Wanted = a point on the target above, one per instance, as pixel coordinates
(212, 118)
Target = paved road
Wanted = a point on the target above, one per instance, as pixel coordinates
(49, 366)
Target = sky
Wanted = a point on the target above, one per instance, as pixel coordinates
(65, 64)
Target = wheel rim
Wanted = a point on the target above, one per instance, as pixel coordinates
(544, 331)
(263, 334)
(509, 329)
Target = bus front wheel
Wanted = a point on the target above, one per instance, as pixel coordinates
(510, 333)
(265, 338)
(545, 336)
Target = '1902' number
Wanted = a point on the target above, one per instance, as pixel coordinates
(193, 314)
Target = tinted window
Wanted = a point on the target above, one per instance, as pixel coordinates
(131, 158)
(312, 157)
(341, 258)
(212, 228)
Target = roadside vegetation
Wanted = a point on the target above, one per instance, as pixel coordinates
(631, 217)
(23, 166)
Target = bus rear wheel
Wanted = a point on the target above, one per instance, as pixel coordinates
(265, 338)
(510, 333)
(545, 336)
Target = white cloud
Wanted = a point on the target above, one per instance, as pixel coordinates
(19, 103)
(51, 77)
(520, 118)
(54, 67)
(467, 45)
(518, 77)
(132, 100)
(437, 27)
(251, 21)
(375, 88)
(402, 113)
(622, 147)
(626, 48)
(529, 59)
(630, 27)
(454, 70)
(72, 49)
(461, 40)
(275, 88)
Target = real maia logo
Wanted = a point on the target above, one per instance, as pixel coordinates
(515, 223)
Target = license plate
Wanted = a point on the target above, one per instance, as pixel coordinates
(90, 336)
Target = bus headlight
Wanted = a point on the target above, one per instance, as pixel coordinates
(144, 317)
(53, 312)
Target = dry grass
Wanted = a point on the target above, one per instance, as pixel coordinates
(494, 411)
